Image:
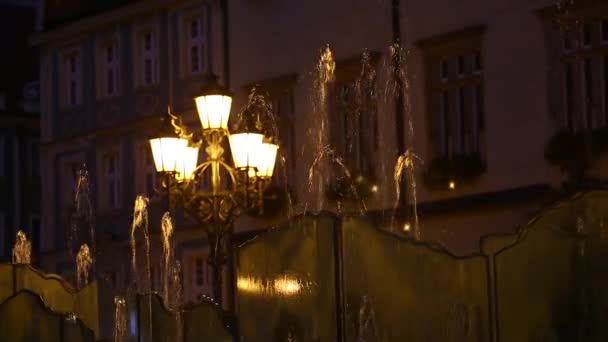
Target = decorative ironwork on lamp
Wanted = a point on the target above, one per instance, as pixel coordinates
(199, 188)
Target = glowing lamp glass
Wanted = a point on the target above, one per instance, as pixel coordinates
(213, 110)
(244, 146)
(264, 160)
(167, 153)
(188, 164)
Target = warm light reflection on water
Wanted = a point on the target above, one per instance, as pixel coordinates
(287, 285)
(250, 285)
(284, 285)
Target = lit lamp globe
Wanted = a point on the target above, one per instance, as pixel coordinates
(244, 147)
(168, 148)
(213, 105)
(189, 162)
(264, 160)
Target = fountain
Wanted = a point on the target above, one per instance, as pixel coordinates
(22, 251)
(327, 164)
(327, 277)
(82, 227)
(140, 262)
(319, 169)
(175, 300)
(398, 88)
(84, 261)
(120, 319)
(405, 164)
(166, 226)
(265, 109)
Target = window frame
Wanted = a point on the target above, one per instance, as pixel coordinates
(33, 150)
(3, 245)
(31, 218)
(74, 162)
(444, 99)
(586, 35)
(142, 55)
(145, 168)
(71, 78)
(362, 155)
(2, 156)
(604, 31)
(110, 182)
(201, 41)
(107, 67)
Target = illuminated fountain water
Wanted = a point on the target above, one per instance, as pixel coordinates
(22, 251)
(171, 273)
(140, 252)
(176, 298)
(397, 88)
(405, 166)
(84, 261)
(120, 319)
(258, 103)
(166, 226)
(82, 227)
(318, 171)
(140, 246)
(327, 164)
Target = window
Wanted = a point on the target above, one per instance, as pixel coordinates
(3, 245)
(444, 70)
(2, 156)
(35, 233)
(586, 31)
(461, 66)
(111, 177)
(477, 65)
(195, 44)
(197, 275)
(587, 87)
(283, 107)
(199, 272)
(460, 111)
(34, 157)
(72, 69)
(70, 167)
(147, 53)
(110, 66)
(569, 95)
(455, 101)
(145, 175)
(566, 43)
(583, 103)
(605, 87)
(353, 122)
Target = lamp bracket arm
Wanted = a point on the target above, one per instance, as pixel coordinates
(178, 125)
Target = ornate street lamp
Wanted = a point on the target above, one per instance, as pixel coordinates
(199, 188)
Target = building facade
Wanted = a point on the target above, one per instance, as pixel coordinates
(485, 96)
(19, 131)
(108, 72)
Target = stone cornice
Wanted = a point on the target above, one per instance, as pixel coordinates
(92, 23)
(450, 37)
